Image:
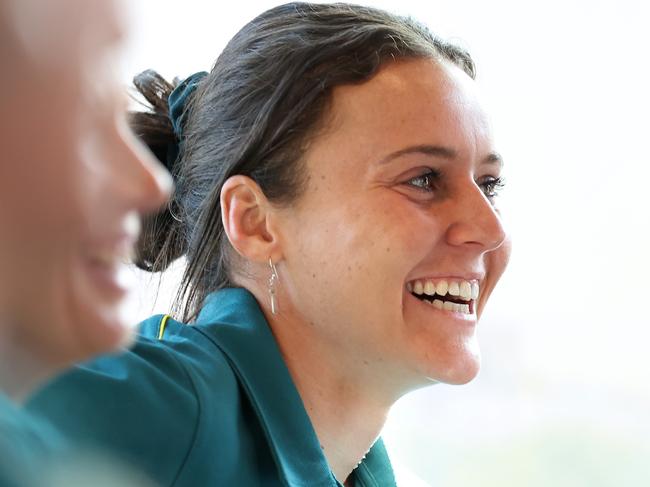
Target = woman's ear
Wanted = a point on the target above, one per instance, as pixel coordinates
(246, 215)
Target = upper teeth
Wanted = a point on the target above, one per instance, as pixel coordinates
(466, 290)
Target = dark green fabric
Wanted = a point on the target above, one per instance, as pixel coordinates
(26, 446)
(211, 404)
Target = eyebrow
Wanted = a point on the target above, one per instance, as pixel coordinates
(438, 151)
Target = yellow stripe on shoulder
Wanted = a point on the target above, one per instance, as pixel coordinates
(161, 327)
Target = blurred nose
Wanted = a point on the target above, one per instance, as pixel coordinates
(477, 224)
(147, 183)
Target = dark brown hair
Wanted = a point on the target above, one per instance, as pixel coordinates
(253, 115)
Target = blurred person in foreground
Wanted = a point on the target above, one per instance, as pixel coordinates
(73, 183)
(337, 204)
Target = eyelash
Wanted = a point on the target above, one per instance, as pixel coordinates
(431, 177)
(490, 185)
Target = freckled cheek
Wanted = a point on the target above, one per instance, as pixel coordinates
(327, 247)
(418, 235)
(382, 253)
(351, 245)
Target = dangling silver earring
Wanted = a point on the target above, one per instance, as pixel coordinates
(273, 280)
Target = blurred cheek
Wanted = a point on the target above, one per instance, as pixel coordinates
(103, 176)
(93, 176)
(44, 189)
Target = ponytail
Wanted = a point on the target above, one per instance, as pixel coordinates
(161, 240)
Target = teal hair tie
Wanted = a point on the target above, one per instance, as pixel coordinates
(177, 113)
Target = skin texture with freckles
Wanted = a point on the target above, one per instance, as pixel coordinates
(73, 180)
(400, 187)
(346, 271)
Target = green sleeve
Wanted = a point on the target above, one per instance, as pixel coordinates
(26, 444)
(139, 407)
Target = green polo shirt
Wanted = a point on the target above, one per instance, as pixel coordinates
(209, 404)
(27, 445)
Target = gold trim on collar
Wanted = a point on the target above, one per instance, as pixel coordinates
(161, 327)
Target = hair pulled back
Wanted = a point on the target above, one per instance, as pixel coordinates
(253, 115)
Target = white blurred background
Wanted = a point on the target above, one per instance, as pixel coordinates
(563, 398)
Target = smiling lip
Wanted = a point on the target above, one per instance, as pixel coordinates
(105, 263)
(467, 318)
(451, 295)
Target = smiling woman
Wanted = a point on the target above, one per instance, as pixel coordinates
(336, 202)
(73, 182)
(420, 216)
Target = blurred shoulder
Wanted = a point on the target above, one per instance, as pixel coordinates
(145, 403)
(25, 444)
(168, 357)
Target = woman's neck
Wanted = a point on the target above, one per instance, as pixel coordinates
(20, 371)
(347, 406)
(346, 426)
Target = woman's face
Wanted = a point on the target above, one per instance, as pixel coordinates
(400, 205)
(72, 182)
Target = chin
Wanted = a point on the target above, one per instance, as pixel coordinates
(102, 331)
(88, 327)
(457, 369)
(462, 376)
(97, 306)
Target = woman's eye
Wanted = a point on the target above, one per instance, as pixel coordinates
(492, 186)
(425, 182)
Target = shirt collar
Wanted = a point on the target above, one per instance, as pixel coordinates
(247, 341)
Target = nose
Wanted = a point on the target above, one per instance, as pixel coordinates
(477, 224)
(146, 181)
